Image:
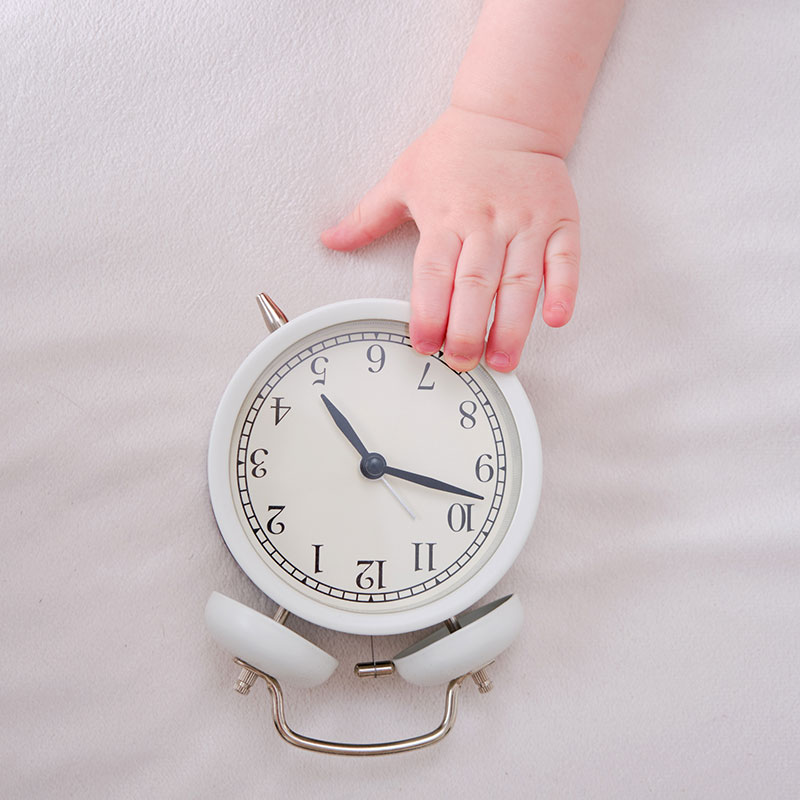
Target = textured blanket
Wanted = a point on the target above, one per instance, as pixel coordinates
(161, 162)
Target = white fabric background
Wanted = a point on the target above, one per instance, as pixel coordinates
(162, 162)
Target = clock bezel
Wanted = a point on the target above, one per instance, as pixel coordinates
(279, 590)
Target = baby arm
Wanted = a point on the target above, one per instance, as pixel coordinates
(487, 185)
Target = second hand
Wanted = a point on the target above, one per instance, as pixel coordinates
(343, 424)
(399, 499)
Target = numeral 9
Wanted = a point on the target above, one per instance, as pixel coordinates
(376, 355)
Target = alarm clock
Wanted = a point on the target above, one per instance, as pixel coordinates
(372, 490)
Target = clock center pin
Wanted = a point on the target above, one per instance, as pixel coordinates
(373, 465)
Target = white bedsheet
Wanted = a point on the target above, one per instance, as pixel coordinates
(161, 163)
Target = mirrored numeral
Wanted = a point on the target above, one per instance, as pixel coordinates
(468, 409)
(280, 411)
(364, 581)
(257, 459)
(418, 554)
(459, 517)
(422, 385)
(317, 548)
(376, 356)
(273, 527)
(484, 471)
(318, 368)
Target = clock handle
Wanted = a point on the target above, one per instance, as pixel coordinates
(350, 749)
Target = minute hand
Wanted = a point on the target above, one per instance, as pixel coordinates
(431, 483)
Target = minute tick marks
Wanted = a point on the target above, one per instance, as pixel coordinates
(374, 403)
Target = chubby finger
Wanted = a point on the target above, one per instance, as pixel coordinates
(378, 212)
(561, 258)
(515, 305)
(477, 276)
(432, 285)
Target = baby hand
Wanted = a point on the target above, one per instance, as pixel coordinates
(496, 214)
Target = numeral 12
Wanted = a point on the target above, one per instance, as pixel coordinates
(364, 581)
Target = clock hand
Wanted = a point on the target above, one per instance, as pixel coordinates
(431, 483)
(398, 498)
(345, 427)
(374, 466)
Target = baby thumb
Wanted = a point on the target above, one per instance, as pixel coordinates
(379, 211)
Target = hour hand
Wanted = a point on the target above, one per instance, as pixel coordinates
(344, 426)
(431, 483)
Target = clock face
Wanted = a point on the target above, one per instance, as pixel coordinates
(371, 478)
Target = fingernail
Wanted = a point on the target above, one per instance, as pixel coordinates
(499, 360)
(458, 363)
(427, 347)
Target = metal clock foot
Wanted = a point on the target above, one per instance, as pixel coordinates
(247, 677)
(480, 676)
(245, 680)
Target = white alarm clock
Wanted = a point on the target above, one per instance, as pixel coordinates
(372, 490)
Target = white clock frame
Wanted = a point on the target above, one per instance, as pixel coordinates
(283, 593)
